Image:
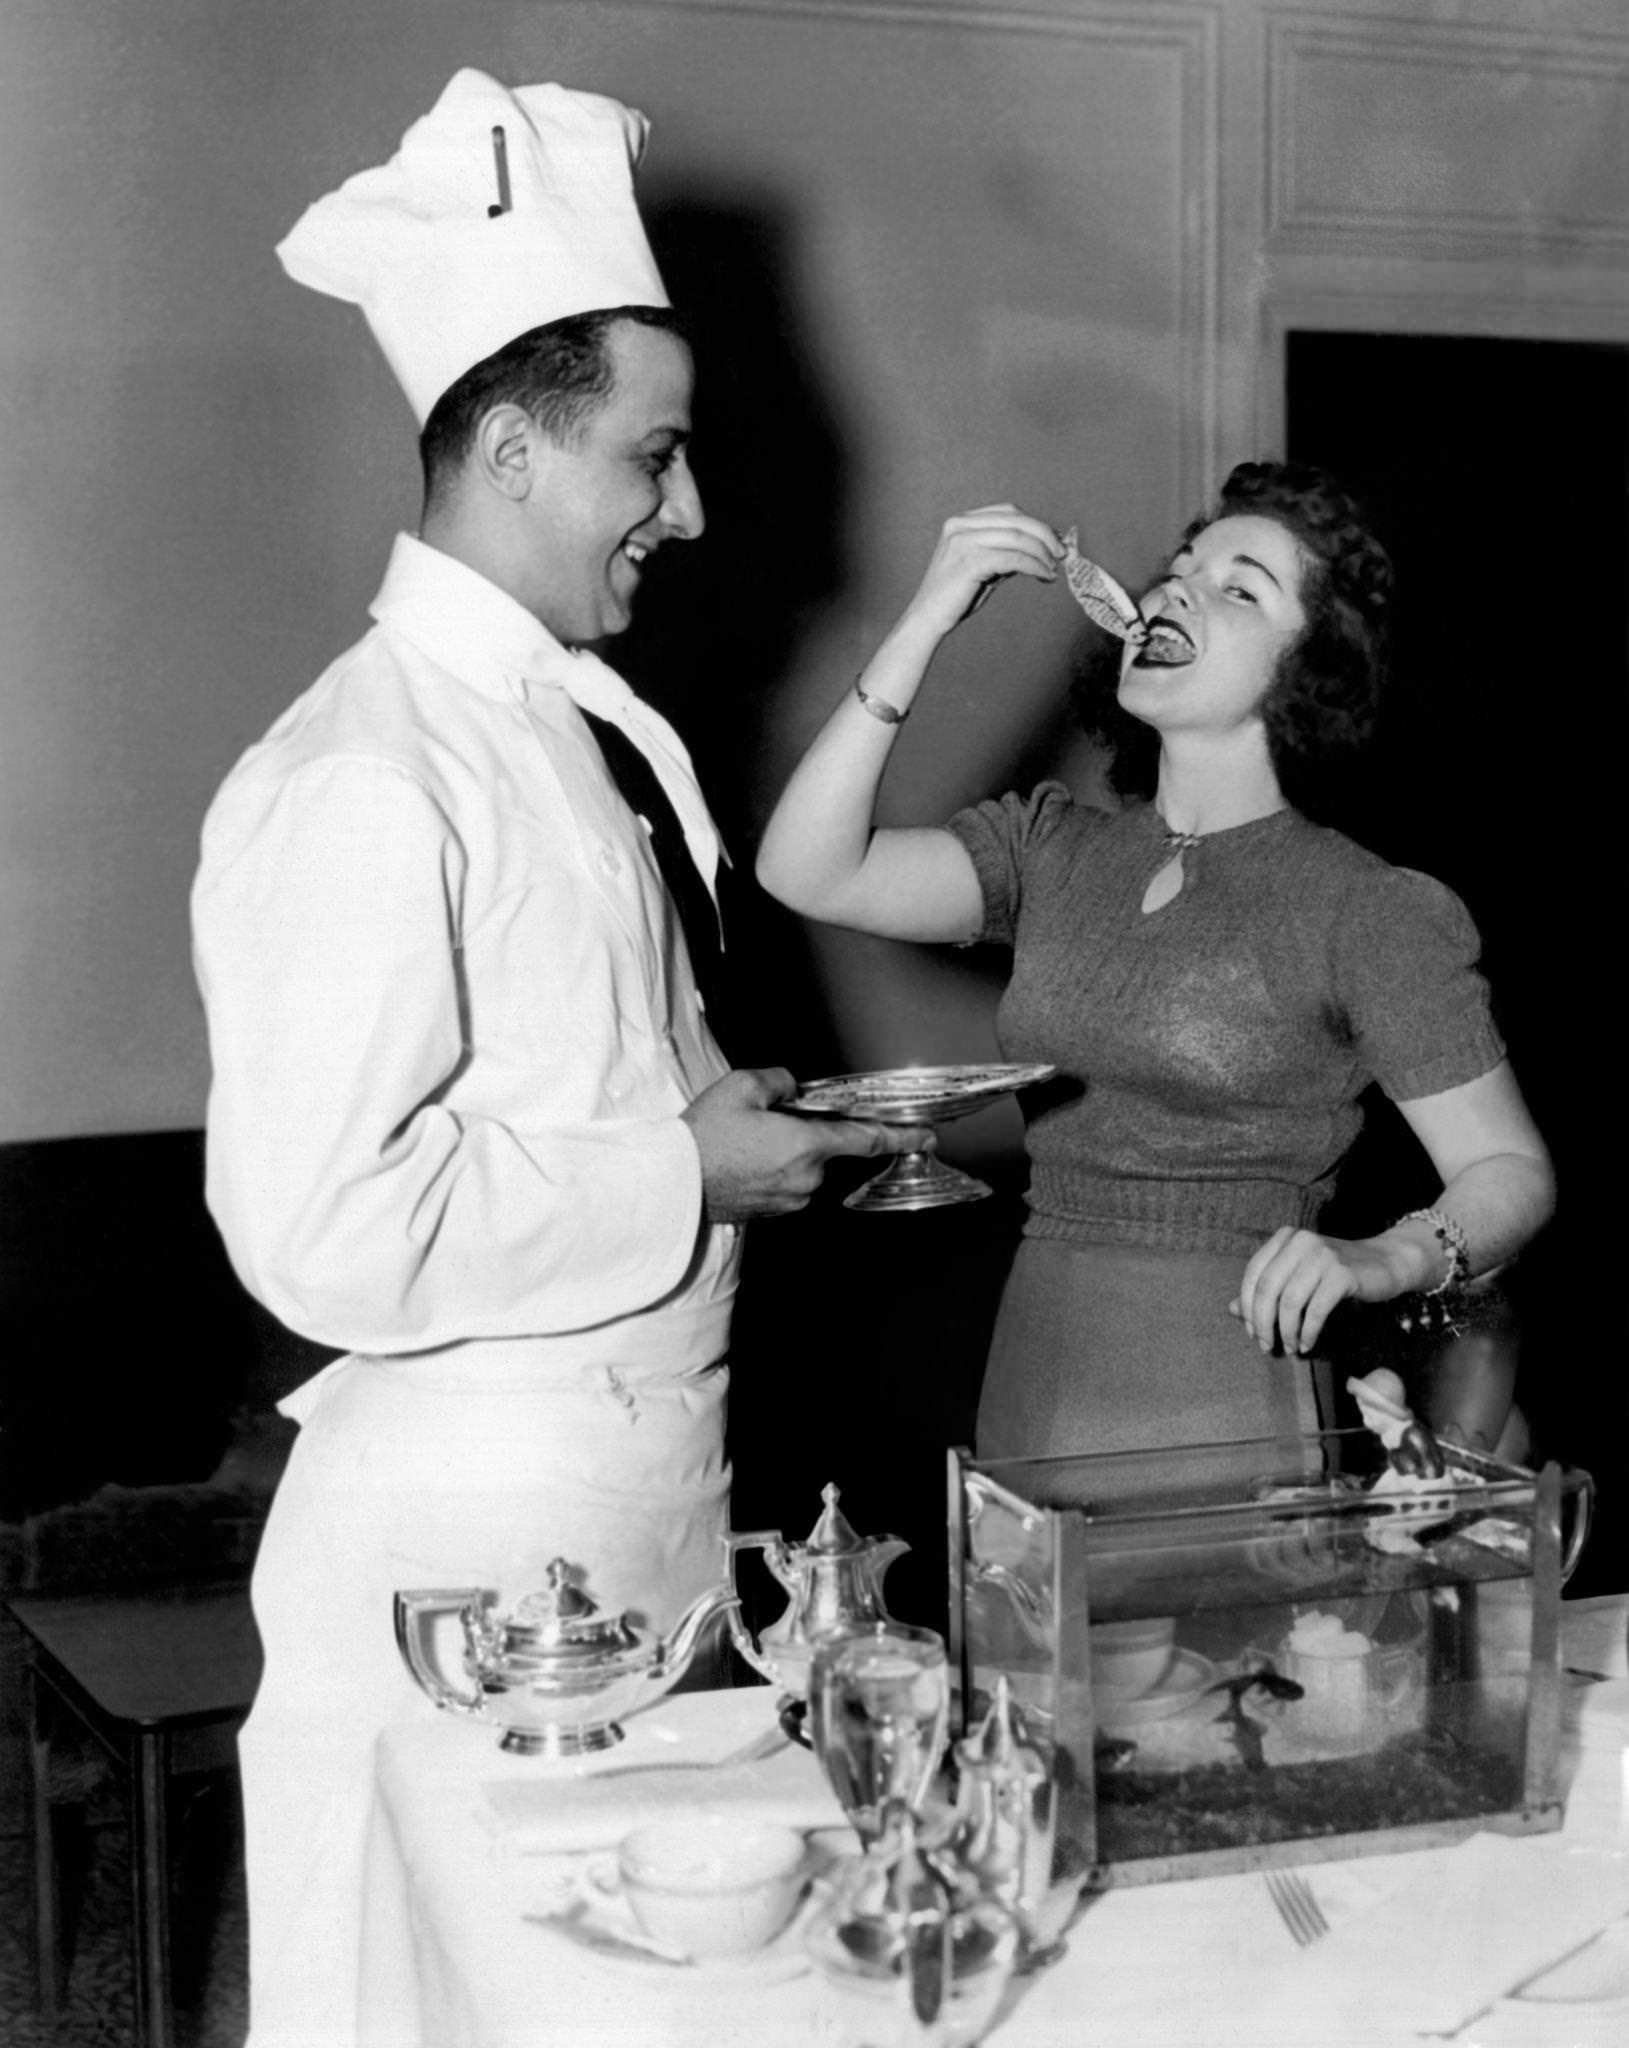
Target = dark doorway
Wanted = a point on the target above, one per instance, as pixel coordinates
(1497, 472)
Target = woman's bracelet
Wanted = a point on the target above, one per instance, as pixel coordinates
(879, 707)
(1451, 1236)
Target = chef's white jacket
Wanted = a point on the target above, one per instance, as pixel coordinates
(453, 1026)
(452, 1023)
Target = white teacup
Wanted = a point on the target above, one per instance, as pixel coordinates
(1129, 1658)
(711, 1885)
(1354, 1695)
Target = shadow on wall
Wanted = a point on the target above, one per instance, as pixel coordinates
(724, 625)
(859, 1340)
(721, 622)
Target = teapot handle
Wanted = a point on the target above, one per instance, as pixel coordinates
(774, 1550)
(767, 1540)
(415, 1612)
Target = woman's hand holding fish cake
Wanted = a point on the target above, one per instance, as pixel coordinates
(975, 551)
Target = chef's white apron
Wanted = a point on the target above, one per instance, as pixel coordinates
(473, 1466)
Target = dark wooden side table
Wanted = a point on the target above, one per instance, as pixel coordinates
(163, 1681)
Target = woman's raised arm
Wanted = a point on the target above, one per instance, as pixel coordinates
(821, 854)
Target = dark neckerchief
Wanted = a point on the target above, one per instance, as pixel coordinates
(642, 791)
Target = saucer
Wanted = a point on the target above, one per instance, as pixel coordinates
(1186, 1677)
(613, 1936)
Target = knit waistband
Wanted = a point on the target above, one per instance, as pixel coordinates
(1173, 1215)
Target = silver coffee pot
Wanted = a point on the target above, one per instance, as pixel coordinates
(553, 1672)
(1006, 1821)
(835, 1585)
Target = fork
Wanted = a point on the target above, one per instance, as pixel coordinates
(1297, 1905)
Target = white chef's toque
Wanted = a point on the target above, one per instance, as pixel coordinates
(502, 211)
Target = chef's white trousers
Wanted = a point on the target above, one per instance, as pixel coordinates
(472, 1467)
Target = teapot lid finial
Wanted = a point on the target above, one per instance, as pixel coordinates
(567, 1617)
(833, 1535)
(999, 1749)
(566, 1601)
(994, 1739)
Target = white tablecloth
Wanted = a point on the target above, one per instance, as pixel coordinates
(472, 1853)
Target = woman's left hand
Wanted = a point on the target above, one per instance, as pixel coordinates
(1297, 1277)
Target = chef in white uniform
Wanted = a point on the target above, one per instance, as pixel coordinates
(468, 1122)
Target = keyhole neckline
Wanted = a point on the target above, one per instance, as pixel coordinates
(1171, 880)
(1184, 842)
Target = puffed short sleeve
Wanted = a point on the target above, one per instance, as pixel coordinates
(1406, 971)
(1001, 835)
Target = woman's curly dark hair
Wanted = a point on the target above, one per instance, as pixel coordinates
(1321, 705)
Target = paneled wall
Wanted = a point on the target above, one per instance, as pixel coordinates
(1464, 176)
(939, 253)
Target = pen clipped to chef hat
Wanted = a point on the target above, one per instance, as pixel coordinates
(503, 209)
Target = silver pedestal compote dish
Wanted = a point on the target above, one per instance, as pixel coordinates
(916, 1095)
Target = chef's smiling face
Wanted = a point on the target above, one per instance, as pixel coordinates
(616, 491)
(1219, 620)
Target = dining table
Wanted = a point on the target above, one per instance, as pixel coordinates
(487, 1929)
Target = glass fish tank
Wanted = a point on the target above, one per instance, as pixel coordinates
(1277, 1651)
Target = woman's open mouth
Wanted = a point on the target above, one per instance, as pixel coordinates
(1167, 646)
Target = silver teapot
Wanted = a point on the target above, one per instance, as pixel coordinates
(835, 1584)
(553, 1672)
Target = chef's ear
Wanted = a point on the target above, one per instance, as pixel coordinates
(505, 451)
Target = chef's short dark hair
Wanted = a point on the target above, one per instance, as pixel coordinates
(560, 374)
(1321, 705)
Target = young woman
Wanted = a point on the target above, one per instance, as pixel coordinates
(1216, 977)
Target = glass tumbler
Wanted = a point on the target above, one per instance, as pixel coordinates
(879, 1706)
